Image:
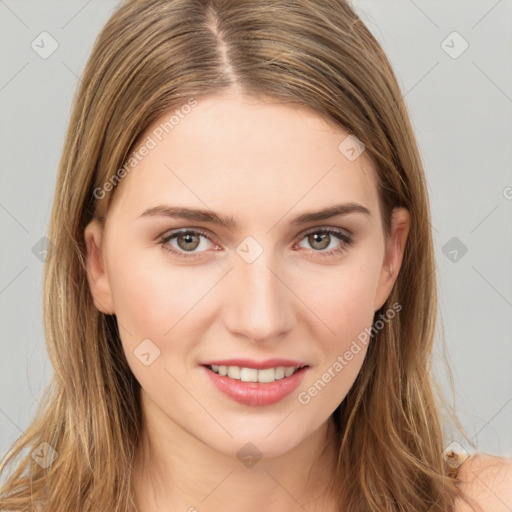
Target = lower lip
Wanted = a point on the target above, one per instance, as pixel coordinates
(256, 393)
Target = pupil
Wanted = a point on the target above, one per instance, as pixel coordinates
(317, 237)
(188, 237)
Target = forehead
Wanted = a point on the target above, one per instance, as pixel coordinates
(243, 155)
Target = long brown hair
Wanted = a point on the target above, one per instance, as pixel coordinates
(152, 57)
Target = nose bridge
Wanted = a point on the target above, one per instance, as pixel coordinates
(259, 300)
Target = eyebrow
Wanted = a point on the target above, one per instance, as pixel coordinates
(229, 222)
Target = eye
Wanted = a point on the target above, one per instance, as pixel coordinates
(321, 238)
(187, 240)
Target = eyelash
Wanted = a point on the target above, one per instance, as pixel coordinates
(345, 238)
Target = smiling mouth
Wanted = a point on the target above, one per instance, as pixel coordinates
(245, 374)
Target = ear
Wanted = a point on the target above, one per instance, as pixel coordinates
(400, 225)
(96, 272)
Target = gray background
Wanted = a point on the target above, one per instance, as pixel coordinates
(461, 110)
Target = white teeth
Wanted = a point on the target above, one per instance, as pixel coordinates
(288, 371)
(267, 375)
(248, 374)
(234, 372)
(252, 374)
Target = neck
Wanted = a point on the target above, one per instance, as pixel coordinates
(174, 470)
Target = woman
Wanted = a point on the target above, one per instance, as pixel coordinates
(240, 296)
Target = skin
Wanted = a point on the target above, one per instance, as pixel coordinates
(262, 163)
(488, 481)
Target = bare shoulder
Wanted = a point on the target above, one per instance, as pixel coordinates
(487, 479)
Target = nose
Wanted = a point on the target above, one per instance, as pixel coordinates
(259, 303)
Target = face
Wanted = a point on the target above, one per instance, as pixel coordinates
(187, 291)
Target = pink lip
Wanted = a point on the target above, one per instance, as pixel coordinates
(259, 365)
(256, 393)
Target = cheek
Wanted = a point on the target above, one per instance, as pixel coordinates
(163, 302)
(158, 300)
(150, 296)
(154, 302)
(139, 300)
(344, 298)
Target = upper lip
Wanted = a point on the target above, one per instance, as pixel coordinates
(259, 365)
